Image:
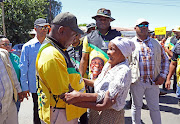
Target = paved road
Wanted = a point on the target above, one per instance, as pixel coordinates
(170, 111)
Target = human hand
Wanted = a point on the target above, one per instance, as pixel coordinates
(159, 81)
(72, 97)
(20, 96)
(26, 94)
(168, 84)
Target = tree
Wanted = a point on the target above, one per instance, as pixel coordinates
(54, 8)
(20, 16)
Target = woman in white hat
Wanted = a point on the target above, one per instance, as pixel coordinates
(114, 78)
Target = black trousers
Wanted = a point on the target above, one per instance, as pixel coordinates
(36, 118)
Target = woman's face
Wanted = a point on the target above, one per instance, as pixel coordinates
(114, 54)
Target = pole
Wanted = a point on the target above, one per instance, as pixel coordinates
(4, 28)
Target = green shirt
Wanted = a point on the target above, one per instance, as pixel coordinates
(15, 62)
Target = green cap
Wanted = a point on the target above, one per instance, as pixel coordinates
(68, 20)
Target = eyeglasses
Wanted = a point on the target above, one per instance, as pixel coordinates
(44, 27)
(7, 44)
(142, 25)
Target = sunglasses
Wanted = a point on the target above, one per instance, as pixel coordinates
(142, 25)
(7, 44)
(44, 27)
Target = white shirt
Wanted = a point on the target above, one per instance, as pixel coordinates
(116, 80)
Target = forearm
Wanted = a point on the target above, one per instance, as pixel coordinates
(91, 105)
(88, 97)
(172, 68)
(89, 82)
(83, 63)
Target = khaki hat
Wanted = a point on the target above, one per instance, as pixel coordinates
(176, 29)
(40, 22)
(141, 20)
(104, 12)
(68, 20)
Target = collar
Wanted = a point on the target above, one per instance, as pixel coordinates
(146, 40)
(56, 42)
(106, 32)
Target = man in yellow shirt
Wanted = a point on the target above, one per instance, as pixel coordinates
(56, 74)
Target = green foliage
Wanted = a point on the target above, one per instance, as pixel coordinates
(20, 16)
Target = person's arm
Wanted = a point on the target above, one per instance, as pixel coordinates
(85, 56)
(164, 68)
(24, 61)
(76, 97)
(172, 68)
(107, 102)
(89, 82)
(84, 63)
(169, 52)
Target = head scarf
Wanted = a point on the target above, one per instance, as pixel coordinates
(125, 45)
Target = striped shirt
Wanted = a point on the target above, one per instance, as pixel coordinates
(146, 61)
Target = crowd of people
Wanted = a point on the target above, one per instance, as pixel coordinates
(85, 78)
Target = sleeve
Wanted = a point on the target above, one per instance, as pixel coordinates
(119, 83)
(24, 63)
(53, 71)
(164, 64)
(86, 48)
(14, 77)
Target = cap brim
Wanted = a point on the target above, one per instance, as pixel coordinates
(142, 22)
(94, 17)
(77, 30)
(43, 24)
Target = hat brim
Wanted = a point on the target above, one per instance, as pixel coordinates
(142, 22)
(94, 17)
(175, 30)
(77, 30)
(43, 24)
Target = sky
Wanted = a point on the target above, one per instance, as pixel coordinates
(159, 13)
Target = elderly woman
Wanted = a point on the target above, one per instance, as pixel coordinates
(114, 78)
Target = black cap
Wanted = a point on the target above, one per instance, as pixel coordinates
(68, 20)
(40, 22)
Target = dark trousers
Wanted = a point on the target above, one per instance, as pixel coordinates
(36, 115)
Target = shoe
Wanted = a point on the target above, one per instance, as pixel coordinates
(162, 93)
(145, 107)
(128, 104)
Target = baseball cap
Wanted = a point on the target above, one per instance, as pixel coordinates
(40, 22)
(104, 12)
(68, 20)
(141, 20)
(176, 29)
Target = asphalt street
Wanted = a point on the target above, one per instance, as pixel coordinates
(170, 111)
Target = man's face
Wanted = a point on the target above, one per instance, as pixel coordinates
(142, 29)
(102, 22)
(68, 36)
(42, 30)
(96, 67)
(5, 44)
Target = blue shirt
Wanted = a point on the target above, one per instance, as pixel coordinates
(27, 65)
